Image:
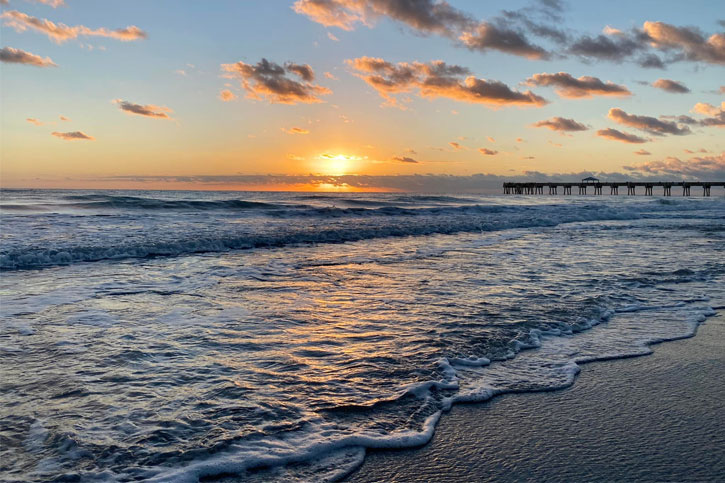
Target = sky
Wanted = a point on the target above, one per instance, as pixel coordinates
(358, 94)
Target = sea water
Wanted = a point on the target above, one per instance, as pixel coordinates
(177, 336)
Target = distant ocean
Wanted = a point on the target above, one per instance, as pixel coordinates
(172, 336)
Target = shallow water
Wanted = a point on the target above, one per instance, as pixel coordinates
(175, 336)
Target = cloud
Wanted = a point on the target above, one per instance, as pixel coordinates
(642, 152)
(608, 30)
(716, 114)
(63, 118)
(51, 3)
(649, 124)
(424, 16)
(32, 120)
(330, 76)
(296, 130)
(670, 86)
(427, 17)
(487, 36)
(456, 146)
(302, 70)
(73, 136)
(17, 56)
(692, 43)
(437, 79)
(404, 159)
(148, 110)
(616, 135)
(602, 47)
(226, 95)
(487, 152)
(707, 109)
(60, 32)
(270, 81)
(569, 87)
(651, 61)
(561, 124)
(643, 44)
(490, 139)
(682, 119)
(332, 37)
(702, 167)
(526, 20)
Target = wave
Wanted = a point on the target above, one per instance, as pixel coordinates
(333, 225)
(328, 454)
(337, 204)
(140, 203)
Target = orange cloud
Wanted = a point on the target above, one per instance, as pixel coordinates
(717, 114)
(32, 120)
(51, 3)
(226, 95)
(693, 43)
(487, 152)
(426, 17)
(60, 32)
(296, 130)
(422, 16)
(677, 43)
(438, 79)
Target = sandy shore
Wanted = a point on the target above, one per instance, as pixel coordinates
(654, 418)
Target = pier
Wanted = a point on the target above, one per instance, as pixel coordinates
(596, 187)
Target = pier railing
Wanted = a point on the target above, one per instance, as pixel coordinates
(598, 188)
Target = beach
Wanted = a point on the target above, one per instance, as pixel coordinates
(659, 417)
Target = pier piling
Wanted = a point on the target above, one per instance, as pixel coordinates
(537, 188)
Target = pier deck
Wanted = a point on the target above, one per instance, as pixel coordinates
(598, 188)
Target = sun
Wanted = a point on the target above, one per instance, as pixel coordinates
(337, 164)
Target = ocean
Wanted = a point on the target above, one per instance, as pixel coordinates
(184, 336)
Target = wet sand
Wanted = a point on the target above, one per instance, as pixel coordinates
(659, 417)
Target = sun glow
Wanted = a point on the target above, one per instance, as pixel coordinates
(337, 164)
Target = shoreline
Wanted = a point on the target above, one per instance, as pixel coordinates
(659, 417)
